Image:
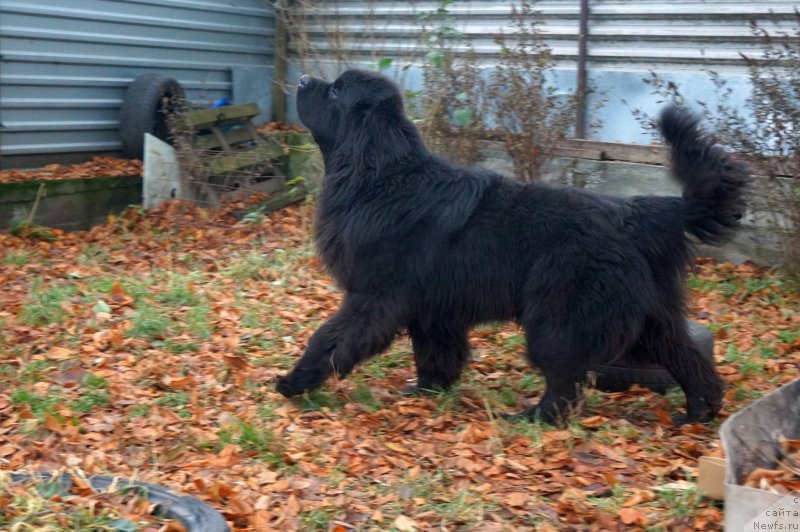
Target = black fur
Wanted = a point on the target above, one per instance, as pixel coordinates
(419, 244)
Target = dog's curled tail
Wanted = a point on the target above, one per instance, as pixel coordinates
(714, 182)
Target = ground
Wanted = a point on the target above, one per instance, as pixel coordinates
(149, 347)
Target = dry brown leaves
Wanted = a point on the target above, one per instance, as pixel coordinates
(785, 477)
(97, 167)
(196, 411)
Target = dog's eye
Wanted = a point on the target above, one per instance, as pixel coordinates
(332, 93)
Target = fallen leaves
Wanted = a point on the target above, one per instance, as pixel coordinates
(785, 476)
(631, 516)
(98, 167)
(169, 329)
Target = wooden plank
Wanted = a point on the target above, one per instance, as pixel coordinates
(578, 153)
(277, 201)
(230, 161)
(203, 118)
(617, 151)
(220, 137)
(234, 136)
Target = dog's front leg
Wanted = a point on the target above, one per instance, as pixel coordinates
(363, 327)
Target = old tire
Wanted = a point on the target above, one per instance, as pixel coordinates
(619, 377)
(148, 102)
(194, 515)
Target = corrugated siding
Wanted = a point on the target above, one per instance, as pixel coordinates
(66, 64)
(627, 38)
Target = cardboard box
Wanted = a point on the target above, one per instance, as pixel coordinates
(711, 477)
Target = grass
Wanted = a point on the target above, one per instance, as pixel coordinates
(174, 400)
(179, 292)
(45, 303)
(16, 258)
(38, 403)
(149, 323)
(250, 266)
(317, 519)
(138, 411)
(90, 400)
(399, 356)
(35, 371)
(464, 509)
(679, 502)
(363, 395)
(258, 438)
(360, 438)
(320, 399)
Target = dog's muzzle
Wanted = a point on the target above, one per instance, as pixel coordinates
(304, 80)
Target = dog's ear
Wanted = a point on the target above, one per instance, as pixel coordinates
(378, 134)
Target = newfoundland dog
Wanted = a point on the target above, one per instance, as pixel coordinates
(421, 245)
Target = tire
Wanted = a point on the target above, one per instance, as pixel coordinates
(619, 377)
(194, 515)
(148, 102)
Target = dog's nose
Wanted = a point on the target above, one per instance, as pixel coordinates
(304, 79)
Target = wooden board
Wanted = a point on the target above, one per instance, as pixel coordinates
(209, 142)
(203, 118)
(234, 160)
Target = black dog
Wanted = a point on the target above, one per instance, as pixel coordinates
(419, 244)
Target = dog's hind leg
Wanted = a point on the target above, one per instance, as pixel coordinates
(564, 361)
(362, 327)
(668, 343)
(440, 353)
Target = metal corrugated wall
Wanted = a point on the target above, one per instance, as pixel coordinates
(66, 64)
(678, 39)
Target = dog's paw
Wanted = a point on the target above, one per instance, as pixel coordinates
(515, 418)
(287, 387)
(690, 419)
(535, 415)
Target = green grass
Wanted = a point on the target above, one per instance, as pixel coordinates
(16, 258)
(316, 519)
(384, 365)
(464, 508)
(531, 430)
(319, 399)
(44, 304)
(254, 438)
(530, 383)
(93, 394)
(35, 371)
(179, 293)
(679, 502)
(700, 284)
(149, 323)
(139, 410)
(39, 404)
(362, 394)
(92, 255)
(95, 381)
(765, 289)
(254, 265)
(196, 322)
(90, 400)
(743, 393)
(174, 399)
(788, 336)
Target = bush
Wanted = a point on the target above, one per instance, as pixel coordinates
(766, 132)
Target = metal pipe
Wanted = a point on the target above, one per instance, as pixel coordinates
(281, 50)
(580, 91)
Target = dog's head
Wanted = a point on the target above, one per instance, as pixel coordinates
(358, 116)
